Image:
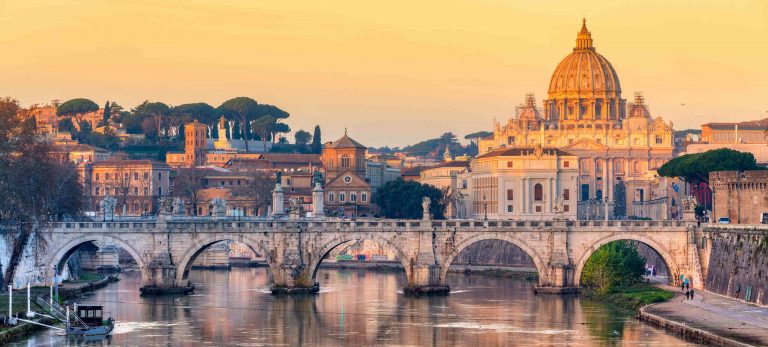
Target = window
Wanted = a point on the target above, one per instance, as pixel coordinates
(510, 194)
(135, 176)
(287, 181)
(97, 176)
(509, 164)
(160, 191)
(566, 194)
(345, 161)
(599, 195)
(659, 140)
(146, 175)
(96, 192)
(341, 197)
(330, 197)
(538, 208)
(146, 191)
(364, 197)
(106, 176)
(538, 192)
(160, 175)
(126, 176)
(566, 208)
(352, 197)
(135, 190)
(509, 208)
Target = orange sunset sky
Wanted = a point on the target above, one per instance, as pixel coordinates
(393, 72)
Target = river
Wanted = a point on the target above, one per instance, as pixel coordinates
(357, 308)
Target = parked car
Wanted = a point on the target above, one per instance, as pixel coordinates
(723, 220)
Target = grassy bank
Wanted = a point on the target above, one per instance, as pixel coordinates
(631, 298)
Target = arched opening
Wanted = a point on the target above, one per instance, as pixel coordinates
(90, 258)
(221, 253)
(488, 253)
(356, 254)
(538, 192)
(619, 261)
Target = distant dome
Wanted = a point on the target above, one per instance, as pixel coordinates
(584, 73)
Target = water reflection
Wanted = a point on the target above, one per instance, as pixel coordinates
(358, 307)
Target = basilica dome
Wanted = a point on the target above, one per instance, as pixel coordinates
(584, 73)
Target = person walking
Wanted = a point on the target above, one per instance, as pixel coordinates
(687, 295)
(691, 294)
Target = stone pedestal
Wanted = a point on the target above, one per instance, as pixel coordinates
(318, 203)
(278, 205)
(162, 280)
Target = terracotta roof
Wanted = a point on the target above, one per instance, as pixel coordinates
(522, 151)
(292, 158)
(345, 142)
(413, 171)
(761, 124)
(78, 148)
(126, 162)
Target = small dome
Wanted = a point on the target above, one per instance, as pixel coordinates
(584, 73)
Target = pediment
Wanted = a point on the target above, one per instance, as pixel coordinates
(355, 181)
(586, 144)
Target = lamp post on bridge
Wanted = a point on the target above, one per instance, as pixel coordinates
(606, 208)
(485, 208)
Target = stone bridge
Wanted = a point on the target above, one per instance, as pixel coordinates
(166, 247)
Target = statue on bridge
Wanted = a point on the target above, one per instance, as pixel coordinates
(425, 202)
(317, 178)
(689, 204)
(107, 207)
(166, 207)
(178, 207)
(218, 207)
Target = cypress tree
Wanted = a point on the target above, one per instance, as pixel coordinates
(317, 144)
(107, 112)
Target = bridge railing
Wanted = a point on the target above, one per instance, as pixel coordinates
(267, 225)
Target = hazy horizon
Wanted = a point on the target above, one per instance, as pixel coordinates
(393, 74)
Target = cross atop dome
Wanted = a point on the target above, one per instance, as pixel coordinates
(584, 38)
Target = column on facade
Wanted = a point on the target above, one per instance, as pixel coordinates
(521, 195)
(605, 178)
(611, 175)
(550, 196)
(594, 178)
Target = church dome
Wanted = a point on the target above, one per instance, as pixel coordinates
(584, 73)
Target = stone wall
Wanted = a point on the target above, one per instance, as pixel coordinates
(738, 261)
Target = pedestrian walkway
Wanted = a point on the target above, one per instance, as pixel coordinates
(725, 317)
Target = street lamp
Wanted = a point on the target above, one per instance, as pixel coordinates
(606, 208)
(485, 208)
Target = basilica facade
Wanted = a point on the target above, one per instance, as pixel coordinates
(585, 115)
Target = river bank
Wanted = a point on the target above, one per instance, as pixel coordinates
(631, 298)
(67, 291)
(709, 318)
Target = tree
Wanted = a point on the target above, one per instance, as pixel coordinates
(302, 138)
(199, 111)
(264, 127)
(612, 265)
(317, 144)
(478, 135)
(259, 188)
(84, 132)
(158, 112)
(35, 187)
(187, 185)
(620, 199)
(243, 110)
(107, 113)
(76, 108)
(402, 199)
(695, 168)
(264, 110)
(431, 147)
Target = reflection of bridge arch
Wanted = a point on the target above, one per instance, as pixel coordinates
(63, 253)
(666, 256)
(506, 237)
(331, 244)
(201, 245)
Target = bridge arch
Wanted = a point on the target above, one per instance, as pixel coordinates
(672, 266)
(337, 241)
(199, 246)
(62, 254)
(506, 237)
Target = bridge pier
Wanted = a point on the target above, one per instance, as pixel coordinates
(161, 279)
(293, 279)
(425, 280)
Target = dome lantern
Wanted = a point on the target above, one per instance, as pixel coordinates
(583, 38)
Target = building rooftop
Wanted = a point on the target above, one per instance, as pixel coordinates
(345, 142)
(523, 151)
(761, 124)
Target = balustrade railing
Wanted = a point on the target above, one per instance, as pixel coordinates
(262, 224)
